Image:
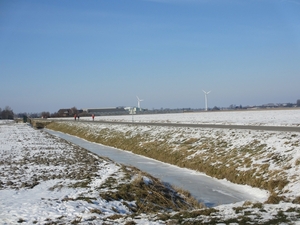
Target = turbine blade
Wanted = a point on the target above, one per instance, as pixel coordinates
(206, 92)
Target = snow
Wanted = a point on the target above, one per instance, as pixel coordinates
(27, 155)
(289, 117)
(6, 121)
(147, 180)
(44, 201)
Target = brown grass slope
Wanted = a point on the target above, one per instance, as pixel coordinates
(210, 155)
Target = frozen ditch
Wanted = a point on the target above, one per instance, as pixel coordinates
(210, 191)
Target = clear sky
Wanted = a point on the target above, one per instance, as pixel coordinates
(103, 53)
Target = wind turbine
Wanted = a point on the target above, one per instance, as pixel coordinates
(205, 94)
(139, 102)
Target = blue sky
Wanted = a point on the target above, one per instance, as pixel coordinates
(100, 53)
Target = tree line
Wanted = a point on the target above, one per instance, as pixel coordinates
(7, 113)
(61, 113)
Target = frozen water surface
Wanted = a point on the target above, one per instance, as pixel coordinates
(208, 190)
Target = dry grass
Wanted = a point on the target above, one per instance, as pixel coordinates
(214, 157)
(274, 199)
(150, 197)
(297, 163)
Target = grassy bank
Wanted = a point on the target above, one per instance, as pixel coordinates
(212, 152)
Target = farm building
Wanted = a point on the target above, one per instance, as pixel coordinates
(106, 111)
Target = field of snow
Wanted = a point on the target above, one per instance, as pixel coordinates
(42, 181)
(290, 117)
(34, 191)
(6, 121)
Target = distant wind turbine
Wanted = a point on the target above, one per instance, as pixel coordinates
(139, 102)
(205, 94)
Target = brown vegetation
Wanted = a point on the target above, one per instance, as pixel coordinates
(209, 155)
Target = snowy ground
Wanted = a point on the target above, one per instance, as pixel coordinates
(18, 203)
(281, 150)
(290, 117)
(6, 121)
(42, 181)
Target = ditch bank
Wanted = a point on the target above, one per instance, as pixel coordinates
(210, 151)
(206, 190)
(38, 123)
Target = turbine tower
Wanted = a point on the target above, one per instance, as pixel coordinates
(139, 102)
(205, 94)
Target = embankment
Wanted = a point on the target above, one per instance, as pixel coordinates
(212, 151)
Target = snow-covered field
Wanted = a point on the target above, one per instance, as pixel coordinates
(289, 117)
(6, 121)
(38, 204)
(42, 181)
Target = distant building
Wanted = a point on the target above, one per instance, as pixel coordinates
(64, 112)
(105, 111)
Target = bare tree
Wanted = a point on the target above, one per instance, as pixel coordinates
(45, 115)
(7, 113)
(55, 114)
(73, 110)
